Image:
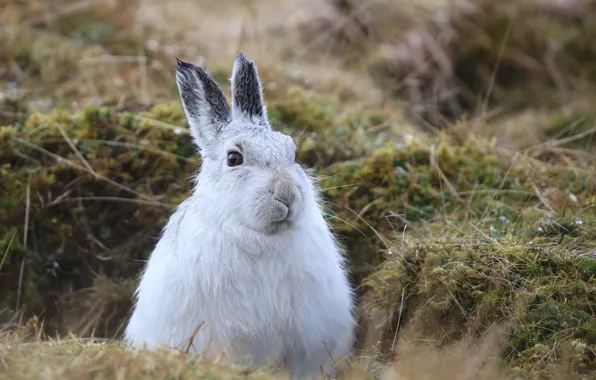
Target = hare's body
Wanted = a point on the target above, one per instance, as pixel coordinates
(274, 305)
(247, 265)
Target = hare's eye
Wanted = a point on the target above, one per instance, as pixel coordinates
(235, 158)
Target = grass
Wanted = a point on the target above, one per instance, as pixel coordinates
(454, 141)
(76, 358)
(73, 357)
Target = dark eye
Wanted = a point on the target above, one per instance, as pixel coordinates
(235, 158)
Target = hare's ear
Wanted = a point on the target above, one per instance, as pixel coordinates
(247, 92)
(204, 103)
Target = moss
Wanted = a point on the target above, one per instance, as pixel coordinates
(96, 184)
(397, 185)
(100, 167)
(299, 108)
(455, 287)
(84, 172)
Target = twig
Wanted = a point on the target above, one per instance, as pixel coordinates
(143, 80)
(132, 146)
(344, 221)
(192, 337)
(108, 58)
(494, 73)
(403, 236)
(96, 175)
(487, 210)
(75, 150)
(7, 249)
(541, 197)
(485, 235)
(401, 308)
(161, 124)
(566, 140)
(435, 164)
(330, 356)
(110, 199)
(58, 199)
(25, 235)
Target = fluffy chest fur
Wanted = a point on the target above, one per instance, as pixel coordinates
(258, 291)
(262, 299)
(257, 304)
(264, 282)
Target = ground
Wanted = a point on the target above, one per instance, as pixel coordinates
(454, 141)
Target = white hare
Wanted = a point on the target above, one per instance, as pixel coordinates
(247, 264)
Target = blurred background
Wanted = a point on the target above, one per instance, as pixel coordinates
(444, 131)
(436, 59)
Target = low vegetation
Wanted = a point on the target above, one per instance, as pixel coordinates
(469, 221)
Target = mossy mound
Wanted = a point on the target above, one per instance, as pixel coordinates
(67, 177)
(84, 196)
(545, 285)
(400, 185)
(448, 235)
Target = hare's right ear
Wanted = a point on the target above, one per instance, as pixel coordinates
(247, 92)
(204, 103)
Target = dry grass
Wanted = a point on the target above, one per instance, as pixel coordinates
(76, 358)
(28, 357)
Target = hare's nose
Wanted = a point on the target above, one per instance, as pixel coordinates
(285, 193)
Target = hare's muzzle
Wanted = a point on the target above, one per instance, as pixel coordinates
(285, 194)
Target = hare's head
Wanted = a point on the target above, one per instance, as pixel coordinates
(248, 170)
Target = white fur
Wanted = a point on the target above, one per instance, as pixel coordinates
(265, 295)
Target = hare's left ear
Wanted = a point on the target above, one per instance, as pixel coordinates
(204, 103)
(247, 92)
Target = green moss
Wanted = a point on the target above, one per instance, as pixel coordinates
(398, 185)
(100, 181)
(298, 109)
(84, 172)
(453, 288)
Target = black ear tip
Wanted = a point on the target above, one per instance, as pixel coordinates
(242, 58)
(183, 64)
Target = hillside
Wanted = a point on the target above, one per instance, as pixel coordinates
(454, 141)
